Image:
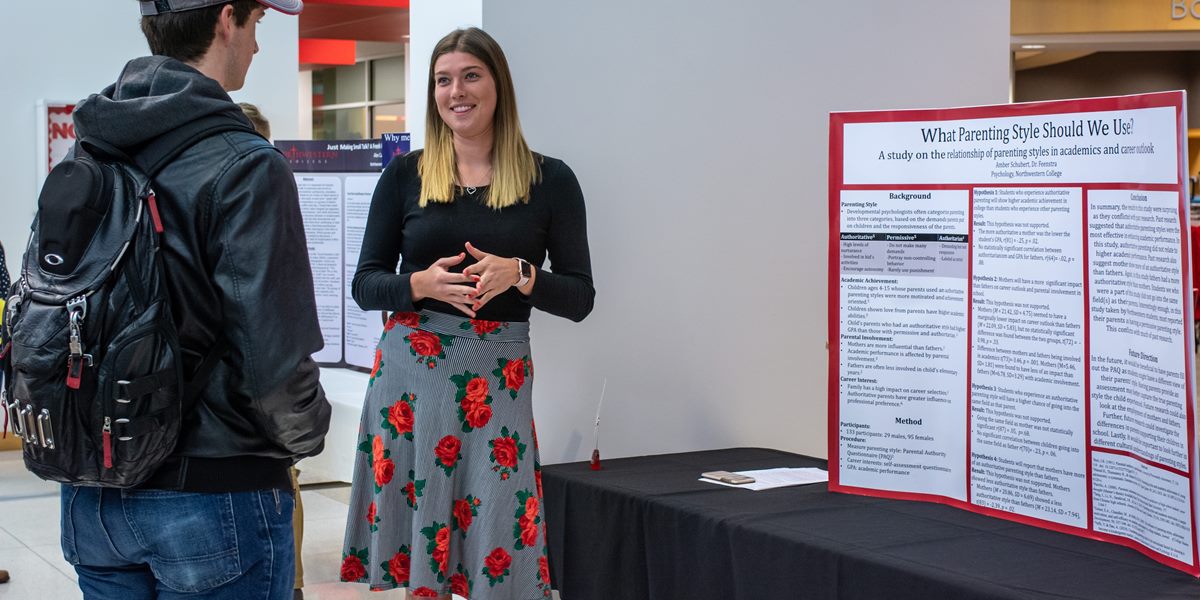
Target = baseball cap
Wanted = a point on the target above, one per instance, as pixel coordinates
(158, 7)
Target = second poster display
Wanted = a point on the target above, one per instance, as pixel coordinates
(1010, 301)
(335, 180)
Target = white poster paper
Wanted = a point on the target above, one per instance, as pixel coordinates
(1011, 316)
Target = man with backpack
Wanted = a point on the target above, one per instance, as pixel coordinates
(213, 518)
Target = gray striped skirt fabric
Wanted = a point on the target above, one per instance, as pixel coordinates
(447, 485)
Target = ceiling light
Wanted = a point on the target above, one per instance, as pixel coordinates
(1033, 46)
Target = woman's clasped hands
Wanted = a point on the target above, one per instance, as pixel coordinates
(470, 290)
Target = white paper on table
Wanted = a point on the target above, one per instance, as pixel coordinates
(766, 479)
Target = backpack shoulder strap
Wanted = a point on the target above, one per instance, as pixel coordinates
(153, 157)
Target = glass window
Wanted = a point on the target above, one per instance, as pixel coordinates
(340, 85)
(360, 112)
(340, 124)
(388, 118)
(387, 79)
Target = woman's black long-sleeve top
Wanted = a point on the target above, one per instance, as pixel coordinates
(553, 222)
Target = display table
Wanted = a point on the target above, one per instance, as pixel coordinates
(645, 528)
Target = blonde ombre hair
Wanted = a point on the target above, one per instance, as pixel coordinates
(514, 166)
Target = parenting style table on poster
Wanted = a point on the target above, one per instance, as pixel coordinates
(1010, 309)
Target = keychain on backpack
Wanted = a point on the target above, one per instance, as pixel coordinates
(76, 360)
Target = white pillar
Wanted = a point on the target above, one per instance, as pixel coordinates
(428, 22)
(304, 99)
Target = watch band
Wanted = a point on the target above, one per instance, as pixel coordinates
(525, 270)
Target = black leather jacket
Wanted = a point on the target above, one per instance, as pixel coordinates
(237, 266)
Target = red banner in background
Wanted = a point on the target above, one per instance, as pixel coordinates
(60, 132)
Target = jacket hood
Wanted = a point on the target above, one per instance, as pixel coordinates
(153, 96)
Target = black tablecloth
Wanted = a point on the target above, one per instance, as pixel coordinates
(645, 528)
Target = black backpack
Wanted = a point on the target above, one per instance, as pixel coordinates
(94, 375)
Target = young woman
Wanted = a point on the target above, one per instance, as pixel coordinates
(447, 494)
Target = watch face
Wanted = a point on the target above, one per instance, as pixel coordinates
(526, 269)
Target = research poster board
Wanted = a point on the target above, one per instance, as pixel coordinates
(395, 144)
(1010, 315)
(335, 180)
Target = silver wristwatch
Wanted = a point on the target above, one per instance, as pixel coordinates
(526, 271)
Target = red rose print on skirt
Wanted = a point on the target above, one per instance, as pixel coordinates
(424, 592)
(410, 320)
(484, 327)
(438, 548)
(396, 570)
(465, 510)
(475, 415)
(378, 459)
(507, 452)
(528, 517)
(544, 576)
(372, 518)
(384, 467)
(398, 418)
(375, 370)
(447, 452)
(424, 343)
(512, 374)
(476, 389)
(460, 584)
(474, 403)
(529, 530)
(353, 563)
(481, 328)
(413, 489)
(496, 566)
(426, 346)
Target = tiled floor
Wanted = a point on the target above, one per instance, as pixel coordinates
(29, 548)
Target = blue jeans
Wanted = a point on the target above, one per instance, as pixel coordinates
(153, 544)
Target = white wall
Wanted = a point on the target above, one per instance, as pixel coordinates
(79, 48)
(304, 104)
(699, 131)
(428, 22)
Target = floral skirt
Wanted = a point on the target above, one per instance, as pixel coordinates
(447, 485)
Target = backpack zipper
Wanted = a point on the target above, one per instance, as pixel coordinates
(152, 201)
(107, 435)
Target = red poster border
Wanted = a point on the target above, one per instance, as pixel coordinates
(1085, 193)
(837, 121)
